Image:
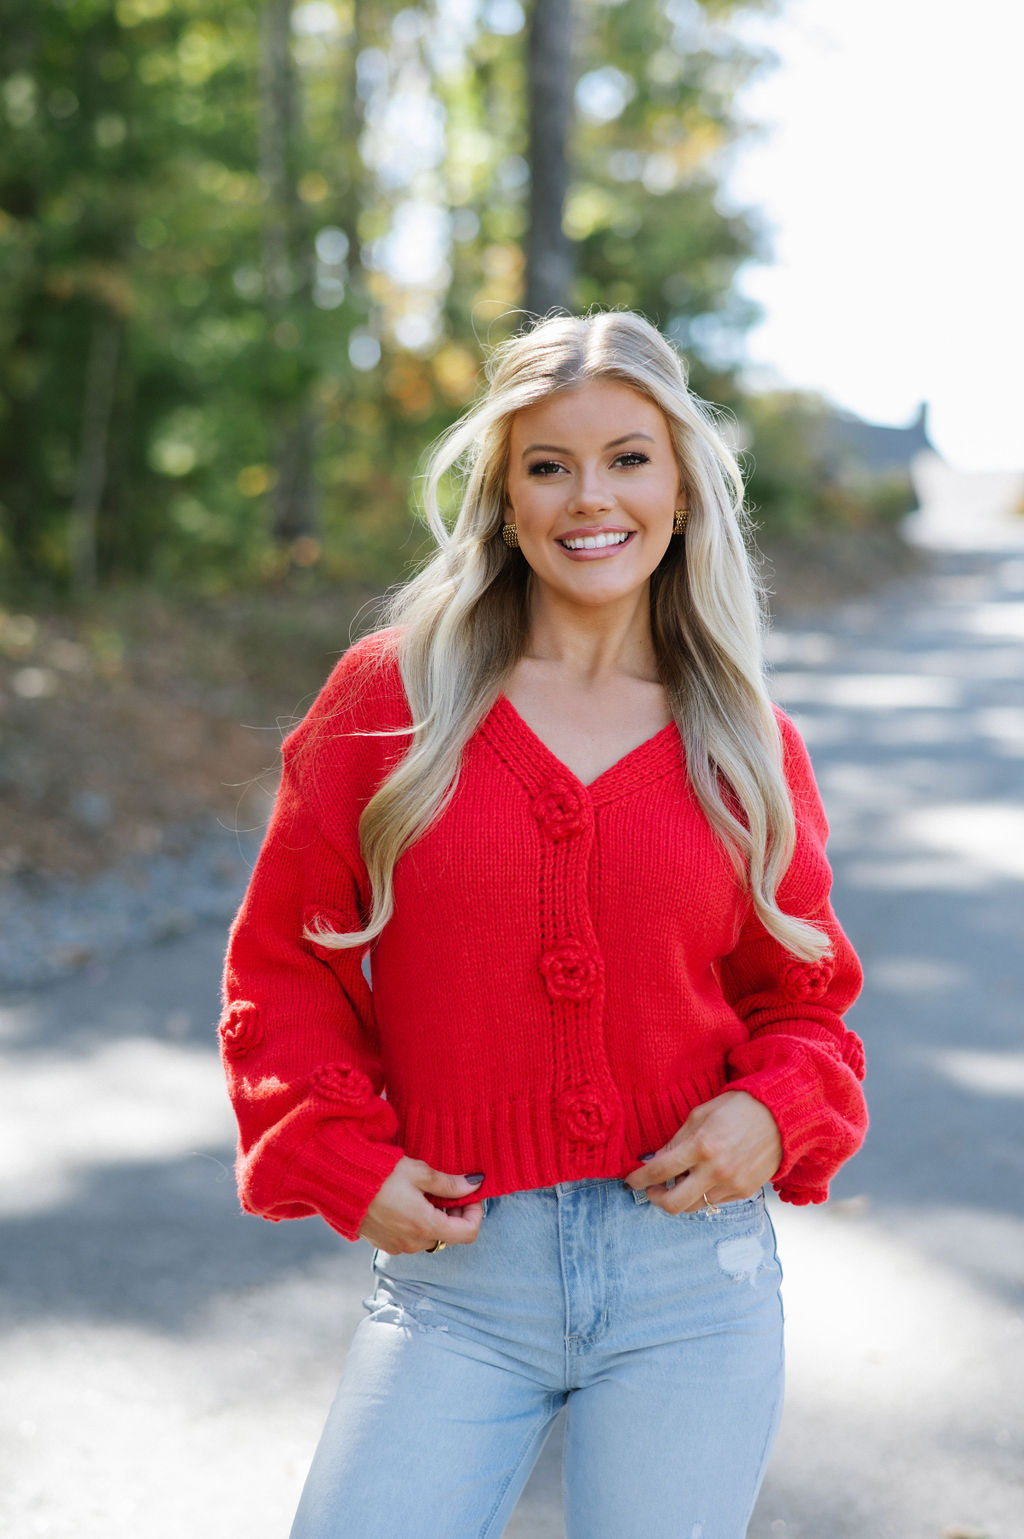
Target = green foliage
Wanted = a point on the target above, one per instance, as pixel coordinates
(223, 267)
(799, 478)
(654, 128)
(128, 193)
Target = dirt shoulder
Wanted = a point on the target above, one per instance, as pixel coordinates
(128, 728)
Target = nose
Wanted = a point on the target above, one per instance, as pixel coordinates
(591, 493)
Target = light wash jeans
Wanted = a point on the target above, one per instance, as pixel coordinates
(662, 1334)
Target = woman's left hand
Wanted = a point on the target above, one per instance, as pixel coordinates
(725, 1151)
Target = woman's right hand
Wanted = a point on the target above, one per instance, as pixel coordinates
(401, 1221)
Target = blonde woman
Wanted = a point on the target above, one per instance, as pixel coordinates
(555, 806)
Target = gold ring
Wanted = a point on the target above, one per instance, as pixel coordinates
(432, 1250)
(709, 1207)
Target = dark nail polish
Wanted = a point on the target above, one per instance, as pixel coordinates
(475, 1179)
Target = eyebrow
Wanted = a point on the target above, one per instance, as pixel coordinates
(555, 449)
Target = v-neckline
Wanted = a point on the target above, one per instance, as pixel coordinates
(655, 756)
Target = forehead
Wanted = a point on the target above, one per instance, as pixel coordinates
(600, 409)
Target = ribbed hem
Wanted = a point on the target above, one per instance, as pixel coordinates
(326, 1166)
(523, 1144)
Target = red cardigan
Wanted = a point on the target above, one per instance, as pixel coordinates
(569, 970)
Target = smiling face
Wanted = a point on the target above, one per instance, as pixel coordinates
(593, 484)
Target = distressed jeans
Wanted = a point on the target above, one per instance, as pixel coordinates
(660, 1334)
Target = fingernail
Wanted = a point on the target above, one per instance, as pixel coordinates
(475, 1179)
(645, 1157)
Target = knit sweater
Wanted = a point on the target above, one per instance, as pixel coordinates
(570, 969)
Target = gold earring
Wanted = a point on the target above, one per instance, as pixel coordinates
(510, 535)
(679, 521)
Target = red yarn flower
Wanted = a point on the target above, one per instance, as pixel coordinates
(570, 972)
(583, 1115)
(558, 809)
(317, 921)
(343, 1085)
(853, 1054)
(807, 980)
(241, 1030)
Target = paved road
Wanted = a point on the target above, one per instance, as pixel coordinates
(166, 1363)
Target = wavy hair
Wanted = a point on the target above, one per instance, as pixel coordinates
(462, 623)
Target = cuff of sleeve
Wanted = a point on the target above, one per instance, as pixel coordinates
(816, 1102)
(328, 1168)
(800, 1196)
(796, 1110)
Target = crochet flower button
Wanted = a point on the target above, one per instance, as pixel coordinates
(807, 980)
(322, 921)
(558, 809)
(241, 1029)
(583, 1116)
(853, 1054)
(343, 1085)
(570, 972)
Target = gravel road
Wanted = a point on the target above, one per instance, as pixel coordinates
(166, 1362)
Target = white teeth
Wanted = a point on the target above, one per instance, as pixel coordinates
(595, 541)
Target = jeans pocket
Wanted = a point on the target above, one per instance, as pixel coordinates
(727, 1213)
(741, 1205)
(720, 1212)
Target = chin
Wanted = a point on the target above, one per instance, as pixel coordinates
(598, 598)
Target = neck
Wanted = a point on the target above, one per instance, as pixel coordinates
(594, 643)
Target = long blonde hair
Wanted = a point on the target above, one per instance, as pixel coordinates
(462, 623)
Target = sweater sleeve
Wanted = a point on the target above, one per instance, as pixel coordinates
(298, 1037)
(799, 1059)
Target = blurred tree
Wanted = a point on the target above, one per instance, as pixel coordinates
(657, 119)
(128, 197)
(248, 253)
(287, 271)
(65, 233)
(549, 110)
(91, 470)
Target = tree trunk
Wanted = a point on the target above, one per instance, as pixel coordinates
(293, 462)
(287, 269)
(91, 476)
(549, 90)
(351, 119)
(277, 116)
